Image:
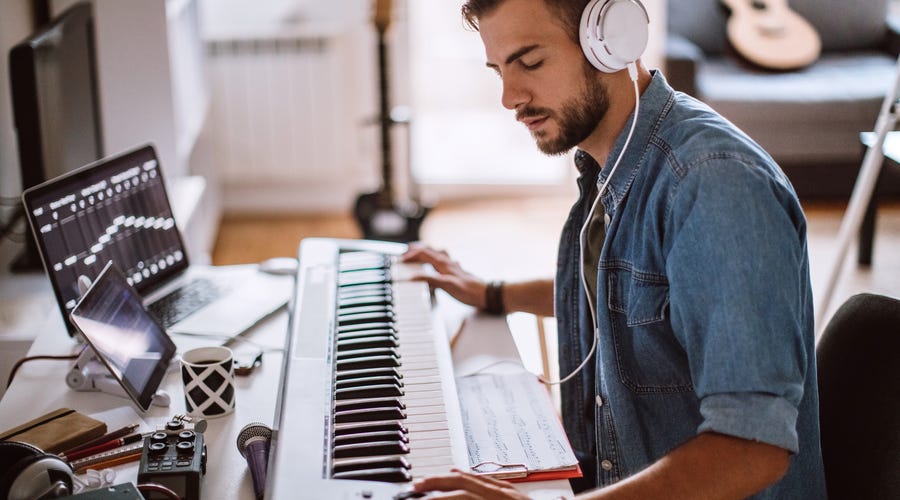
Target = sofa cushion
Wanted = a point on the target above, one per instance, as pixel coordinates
(815, 112)
(841, 24)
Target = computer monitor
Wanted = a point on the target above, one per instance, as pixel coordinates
(55, 103)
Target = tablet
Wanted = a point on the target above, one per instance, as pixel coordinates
(124, 335)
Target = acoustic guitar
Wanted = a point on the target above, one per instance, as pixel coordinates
(770, 34)
(379, 214)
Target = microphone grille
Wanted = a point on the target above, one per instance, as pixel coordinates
(252, 430)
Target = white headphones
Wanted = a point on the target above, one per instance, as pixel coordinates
(613, 33)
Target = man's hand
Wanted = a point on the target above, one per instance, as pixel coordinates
(448, 276)
(463, 485)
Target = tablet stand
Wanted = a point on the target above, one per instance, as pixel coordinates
(89, 374)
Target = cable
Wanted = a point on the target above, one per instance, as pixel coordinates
(19, 363)
(632, 73)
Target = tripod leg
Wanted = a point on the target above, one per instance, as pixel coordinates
(862, 193)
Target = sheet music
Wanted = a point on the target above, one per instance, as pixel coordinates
(511, 426)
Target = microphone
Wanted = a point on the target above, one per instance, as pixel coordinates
(253, 444)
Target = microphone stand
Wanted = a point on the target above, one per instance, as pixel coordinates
(862, 192)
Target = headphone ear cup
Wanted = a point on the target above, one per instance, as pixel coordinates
(613, 33)
(27, 472)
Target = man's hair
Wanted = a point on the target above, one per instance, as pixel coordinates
(568, 12)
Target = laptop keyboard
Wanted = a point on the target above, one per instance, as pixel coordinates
(183, 301)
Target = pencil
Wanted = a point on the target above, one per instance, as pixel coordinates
(101, 458)
(109, 445)
(117, 460)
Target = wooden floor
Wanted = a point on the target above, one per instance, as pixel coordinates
(517, 238)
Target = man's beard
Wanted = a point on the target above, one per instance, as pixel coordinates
(577, 119)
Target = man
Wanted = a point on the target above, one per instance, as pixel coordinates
(699, 379)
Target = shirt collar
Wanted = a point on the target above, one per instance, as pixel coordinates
(654, 101)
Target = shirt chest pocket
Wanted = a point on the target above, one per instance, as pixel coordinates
(649, 359)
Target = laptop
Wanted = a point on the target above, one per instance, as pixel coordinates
(117, 209)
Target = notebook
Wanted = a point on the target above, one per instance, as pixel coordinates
(118, 209)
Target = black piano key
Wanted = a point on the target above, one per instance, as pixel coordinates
(368, 362)
(370, 437)
(360, 427)
(353, 262)
(374, 391)
(368, 332)
(367, 382)
(366, 300)
(364, 463)
(377, 448)
(369, 372)
(368, 342)
(343, 354)
(351, 292)
(344, 310)
(365, 318)
(384, 475)
(369, 415)
(346, 329)
(366, 278)
(356, 404)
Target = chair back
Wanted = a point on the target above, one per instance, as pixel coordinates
(859, 399)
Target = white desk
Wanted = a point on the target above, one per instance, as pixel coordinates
(39, 387)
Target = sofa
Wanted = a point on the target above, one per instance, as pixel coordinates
(808, 119)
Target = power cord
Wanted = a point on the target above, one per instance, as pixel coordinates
(19, 363)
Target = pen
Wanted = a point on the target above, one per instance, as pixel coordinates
(109, 436)
(109, 445)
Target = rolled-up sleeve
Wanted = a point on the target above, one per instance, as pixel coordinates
(735, 261)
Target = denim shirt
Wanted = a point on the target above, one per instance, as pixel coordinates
(705, 308)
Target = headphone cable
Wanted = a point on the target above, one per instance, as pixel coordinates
(633, 74)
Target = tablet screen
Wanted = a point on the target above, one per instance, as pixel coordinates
(124, 336)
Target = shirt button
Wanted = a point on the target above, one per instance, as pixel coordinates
(599, 401)
(606, 465)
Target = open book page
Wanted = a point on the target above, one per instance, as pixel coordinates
(511, 427)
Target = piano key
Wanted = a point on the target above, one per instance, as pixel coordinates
(369, 372)
(374, 391)
(369, 362)
(365, 318)
(368, 342)
(367, 353)
(377, 448)
(358, 427)
(368, 382)
(387, 475)
(344, 309)
(368, 437)
(355, 464)
(369, 415)
(342, 329)
(355, 404)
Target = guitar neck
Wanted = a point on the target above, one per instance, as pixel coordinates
(382, 21)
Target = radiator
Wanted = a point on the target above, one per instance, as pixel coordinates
(285, 119)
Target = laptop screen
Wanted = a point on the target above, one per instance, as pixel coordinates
(113, 209)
